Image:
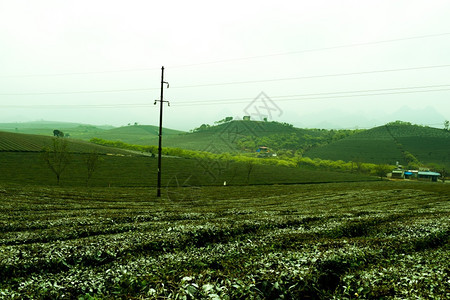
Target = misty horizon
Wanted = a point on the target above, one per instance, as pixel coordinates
(426, 117)
(320, 64)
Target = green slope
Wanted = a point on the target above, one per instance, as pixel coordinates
(18, 142)
(389, 144)
(135, 134)
(112, 170)
(226, 137)
(428, 145)
(249, 135)
(47, 127)
(42, 125)
(219, 138)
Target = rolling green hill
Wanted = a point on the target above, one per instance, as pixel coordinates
(234, 136)
(395, 142)
(46, 128)
(391, 143)
(36, 125)
(18, 142)
(136, 134)
(247, 136)
(227, 137)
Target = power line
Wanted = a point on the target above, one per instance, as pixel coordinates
(294, 97)
(327, 93)
(326, 97)
(313, 76)
(232, 83)
(78, 92)
(316, 49)
(236, 59)
(76, 106)
(79, 73)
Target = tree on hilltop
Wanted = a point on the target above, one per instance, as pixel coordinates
(225, 120)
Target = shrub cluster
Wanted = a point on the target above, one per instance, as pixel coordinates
(282, 160)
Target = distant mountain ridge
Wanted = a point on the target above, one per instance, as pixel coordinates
(48, 124)
(336, 119)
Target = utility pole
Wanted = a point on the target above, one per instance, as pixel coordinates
(161, 101)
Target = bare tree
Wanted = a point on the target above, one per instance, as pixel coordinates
(57, 157)
(92, 159)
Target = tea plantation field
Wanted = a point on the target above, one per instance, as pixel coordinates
(387, 144)
(338, 240)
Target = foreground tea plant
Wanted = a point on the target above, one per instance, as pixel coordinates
(371, 240)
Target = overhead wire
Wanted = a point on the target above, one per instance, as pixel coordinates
(314, 76)
(315, 49)
(78, 92)
(327, 93)
(232, 83)
(293, 97)
(233, 59)
(80, 73)
(323, 97)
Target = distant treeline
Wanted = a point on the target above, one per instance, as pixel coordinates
(294, 142)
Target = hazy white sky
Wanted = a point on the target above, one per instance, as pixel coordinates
(99, 62)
